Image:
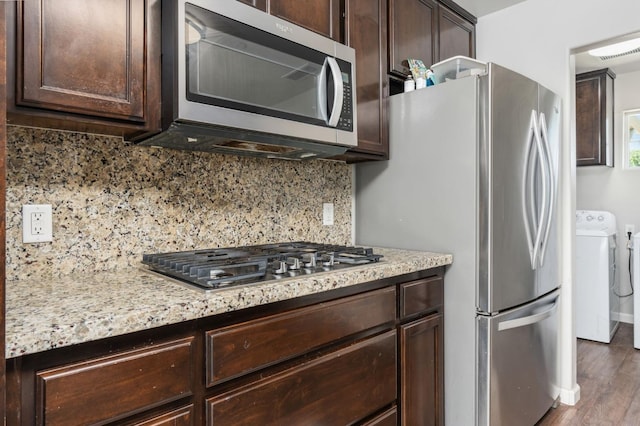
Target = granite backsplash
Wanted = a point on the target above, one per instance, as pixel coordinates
(113, 201)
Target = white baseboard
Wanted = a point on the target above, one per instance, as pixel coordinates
(570, 396)
(626, 318)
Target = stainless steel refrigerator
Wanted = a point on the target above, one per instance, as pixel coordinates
(473, 171)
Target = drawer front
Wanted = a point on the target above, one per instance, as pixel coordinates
(246, 347)
(421, 296)
(180, 417)
(388, 418)
(339, 388)
(114, 386)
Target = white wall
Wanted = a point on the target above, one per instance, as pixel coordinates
(536, 38)
(616, 189)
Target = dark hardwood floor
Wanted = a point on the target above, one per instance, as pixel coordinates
(609, 379)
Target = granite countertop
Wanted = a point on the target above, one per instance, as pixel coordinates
(51, 313)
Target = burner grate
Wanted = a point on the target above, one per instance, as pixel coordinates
(225, 267)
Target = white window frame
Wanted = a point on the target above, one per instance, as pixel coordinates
(626, 137)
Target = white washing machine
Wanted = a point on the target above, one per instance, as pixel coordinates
(596, 275)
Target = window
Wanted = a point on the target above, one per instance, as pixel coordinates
(631, 138)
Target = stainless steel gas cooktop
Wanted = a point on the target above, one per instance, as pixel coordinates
(226, 267)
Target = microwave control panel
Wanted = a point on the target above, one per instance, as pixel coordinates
(346, 115)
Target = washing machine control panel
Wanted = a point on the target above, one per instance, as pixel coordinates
(596, 220)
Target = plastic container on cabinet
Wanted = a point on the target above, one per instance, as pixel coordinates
(457, 67)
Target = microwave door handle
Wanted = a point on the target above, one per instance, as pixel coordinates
(338, 92)
(322, 90)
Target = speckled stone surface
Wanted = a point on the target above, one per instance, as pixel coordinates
(113, 201)
(51, 313)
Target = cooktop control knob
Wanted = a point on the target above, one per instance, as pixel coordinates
(293, 263)
(280, 267)
(328, 260)
(312, 262)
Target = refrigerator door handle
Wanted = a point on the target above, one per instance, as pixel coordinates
(528, 320)
(532, 214)
(543, 211)
(551, 193)
(528, 193)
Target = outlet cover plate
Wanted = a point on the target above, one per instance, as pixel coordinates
(327, 214)
(37, 226)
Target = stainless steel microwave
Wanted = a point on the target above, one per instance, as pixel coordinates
(238, 80)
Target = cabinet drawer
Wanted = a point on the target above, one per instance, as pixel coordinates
(249, 346)
(388, 418)
(114, 386)
(180, 417)
(421, 296)
(339, 388)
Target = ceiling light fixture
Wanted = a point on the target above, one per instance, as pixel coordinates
(617, 49)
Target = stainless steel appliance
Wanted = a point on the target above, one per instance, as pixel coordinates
(221, 268)
(238, 80)
(473, 171)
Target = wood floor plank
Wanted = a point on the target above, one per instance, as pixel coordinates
(609, 379)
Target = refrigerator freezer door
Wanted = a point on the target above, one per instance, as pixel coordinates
(517, 353)
(506, 277)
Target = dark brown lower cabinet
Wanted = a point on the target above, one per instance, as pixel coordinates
(421, 371)
(339, 388)
(91, 391)
(369, 354)
(181, 417)
(388, 418)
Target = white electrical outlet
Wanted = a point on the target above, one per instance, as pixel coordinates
(327, 214)
(37, 226)
(629, 229)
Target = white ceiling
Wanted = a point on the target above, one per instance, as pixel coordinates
(584, 62)
(621, 65)
(479, 8)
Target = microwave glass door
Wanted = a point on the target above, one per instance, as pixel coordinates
(234, 65)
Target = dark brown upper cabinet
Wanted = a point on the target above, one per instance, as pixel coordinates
(86, 65)
(320, 16)
(385, 33)
(456, 35)
(427, 30)
(366, 32)
(413, 28)
(594, 118)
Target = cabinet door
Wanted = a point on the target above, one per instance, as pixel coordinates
(412, 33)
(321, 16)
(456, 35)
(422, 372)
(594, 118)
(83, 56)
(367, 34)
